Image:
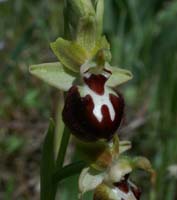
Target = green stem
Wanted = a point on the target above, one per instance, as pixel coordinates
(59, 129)
(67, 171)
(63, 148)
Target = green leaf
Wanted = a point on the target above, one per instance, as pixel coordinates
(118, 77)
(48, 165)
(55, 74)
(70, 54)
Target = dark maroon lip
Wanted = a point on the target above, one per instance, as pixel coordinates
(78, 116)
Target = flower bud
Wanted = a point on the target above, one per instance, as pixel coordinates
(123, 190)
(93, 111)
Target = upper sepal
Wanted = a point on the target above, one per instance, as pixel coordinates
(54, 74)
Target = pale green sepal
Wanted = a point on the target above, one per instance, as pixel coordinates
(70, 54)
(89, 179)
(54, 74)
(118, 77)
(86, 35)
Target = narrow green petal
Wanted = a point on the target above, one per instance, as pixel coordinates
(54, 74)
(118, 77)
(70, 54)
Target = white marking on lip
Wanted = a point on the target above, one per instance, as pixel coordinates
(87, 75)
(99, 101)
(104, 73)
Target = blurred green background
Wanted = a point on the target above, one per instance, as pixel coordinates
(143, 37)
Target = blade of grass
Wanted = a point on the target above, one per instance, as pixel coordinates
(48, 165)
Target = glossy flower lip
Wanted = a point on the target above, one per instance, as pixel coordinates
(93, 111)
